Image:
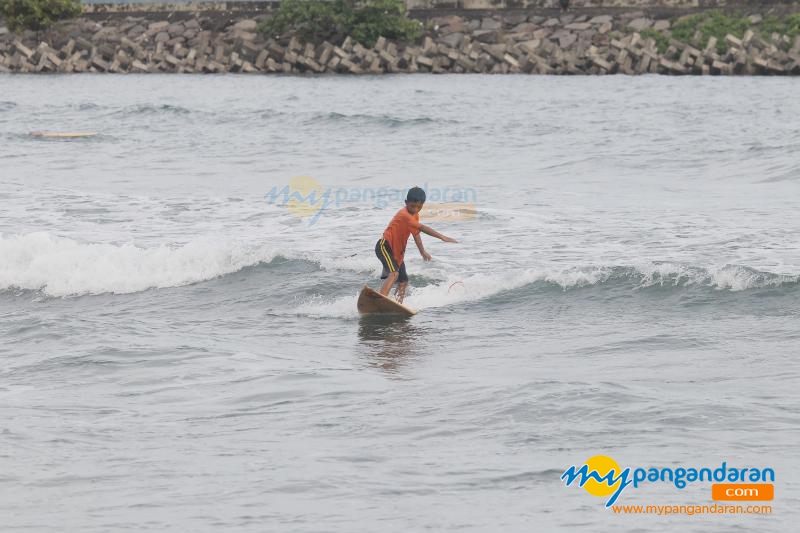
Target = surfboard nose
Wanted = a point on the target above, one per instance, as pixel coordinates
(371, 301)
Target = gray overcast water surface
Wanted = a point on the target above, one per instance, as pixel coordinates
(180, 355)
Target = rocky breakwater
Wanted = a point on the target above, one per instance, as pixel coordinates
(498, 44)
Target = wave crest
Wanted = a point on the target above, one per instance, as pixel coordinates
(153, 109)
(363, 119)
(59, 266)
(532, 282)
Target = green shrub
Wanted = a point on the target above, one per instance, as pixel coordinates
(37, 15)
(711, 24)
(365, 21)
(718, 24)
(662, 41)
(789, 25)
(385, 18)
(684, 28)
(310, 20)
(792, 25)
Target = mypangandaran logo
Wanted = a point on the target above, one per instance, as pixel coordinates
(602, 476)
(303, 196)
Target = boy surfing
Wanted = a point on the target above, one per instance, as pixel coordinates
(391, 247)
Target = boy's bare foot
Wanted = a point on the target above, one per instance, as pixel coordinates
(400, 293)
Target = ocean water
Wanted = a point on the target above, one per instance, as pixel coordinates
(181, 355)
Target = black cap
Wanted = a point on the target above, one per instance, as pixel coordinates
(415, 194)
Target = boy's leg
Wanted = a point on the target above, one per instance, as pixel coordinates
(400, 292)
(387, 285)
(390, 270)
(402, 283)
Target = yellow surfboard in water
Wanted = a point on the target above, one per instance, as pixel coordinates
(371, 302)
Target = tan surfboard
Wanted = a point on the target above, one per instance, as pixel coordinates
(63, 134)
(371, 302)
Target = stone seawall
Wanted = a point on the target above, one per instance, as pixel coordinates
(501, 42)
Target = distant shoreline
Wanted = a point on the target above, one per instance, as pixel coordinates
(224, 38)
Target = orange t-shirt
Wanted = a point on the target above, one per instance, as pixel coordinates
(396, 234)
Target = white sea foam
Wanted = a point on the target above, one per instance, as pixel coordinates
(454, 290)
(457, 290)
(323, 307)
(737, 278)
(60, 266)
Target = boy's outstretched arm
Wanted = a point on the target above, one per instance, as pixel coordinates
(433, 233)
(425, 255)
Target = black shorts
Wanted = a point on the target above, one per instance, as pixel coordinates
(384, 253)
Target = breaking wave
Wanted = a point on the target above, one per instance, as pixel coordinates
(60, 266)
